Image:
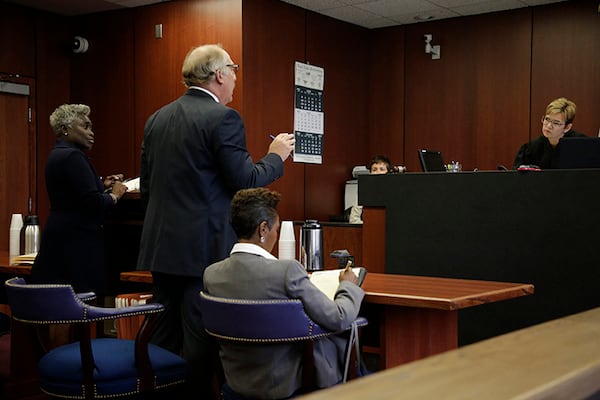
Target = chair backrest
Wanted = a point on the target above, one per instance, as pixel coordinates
(43, 303)
(258, 320)
(59, 304)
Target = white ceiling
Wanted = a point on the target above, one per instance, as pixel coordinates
(366, 13)
(382, 13)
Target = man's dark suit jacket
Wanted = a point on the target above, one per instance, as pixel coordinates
(194, 159)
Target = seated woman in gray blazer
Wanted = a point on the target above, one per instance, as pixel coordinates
(274, 371)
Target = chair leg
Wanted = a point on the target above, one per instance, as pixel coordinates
(308, 368)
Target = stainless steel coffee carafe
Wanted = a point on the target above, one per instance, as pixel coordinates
(31, 235)
(310, 250)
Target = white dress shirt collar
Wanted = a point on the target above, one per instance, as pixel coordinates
(207, 91)
(252, 249)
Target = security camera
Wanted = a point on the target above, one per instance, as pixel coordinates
(79, 45)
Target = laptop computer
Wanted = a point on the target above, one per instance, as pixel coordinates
(431, 160)
(579, 152)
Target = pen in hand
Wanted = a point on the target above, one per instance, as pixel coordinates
(348, 265)
(273, 138)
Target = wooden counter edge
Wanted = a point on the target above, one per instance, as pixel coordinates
(136, 276)
(503, 367)
(458, 303)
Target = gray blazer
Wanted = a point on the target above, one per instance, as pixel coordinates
(274, 370)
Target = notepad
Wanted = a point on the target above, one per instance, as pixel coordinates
(328, 281)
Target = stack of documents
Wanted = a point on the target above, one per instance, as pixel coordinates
(23, 259)
(127, 328)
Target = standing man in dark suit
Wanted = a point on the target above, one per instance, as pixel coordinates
(193, 160)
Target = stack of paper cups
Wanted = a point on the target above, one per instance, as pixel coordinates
(287, 241)
(16, 223)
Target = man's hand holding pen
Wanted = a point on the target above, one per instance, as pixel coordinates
(282, 145)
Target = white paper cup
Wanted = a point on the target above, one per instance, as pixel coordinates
(287, 231)
(287, 250)
(16, 223)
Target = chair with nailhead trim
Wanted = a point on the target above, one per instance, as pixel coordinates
(95, 368)
(272, 321)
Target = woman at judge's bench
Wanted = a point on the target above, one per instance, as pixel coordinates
(72, 244)
(274, 371)
(556, 124)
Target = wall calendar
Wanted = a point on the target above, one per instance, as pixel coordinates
(308, 113)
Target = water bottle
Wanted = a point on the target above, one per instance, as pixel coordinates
(310, 250)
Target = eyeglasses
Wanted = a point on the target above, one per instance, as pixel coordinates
(555, 123)
(234, 67)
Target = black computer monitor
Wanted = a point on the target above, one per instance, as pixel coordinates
(431, 160)
(579, 152)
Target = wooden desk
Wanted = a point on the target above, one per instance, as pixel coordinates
(417, 315)
(16, 270)
(559, 359)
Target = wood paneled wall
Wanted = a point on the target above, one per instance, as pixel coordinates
(53, 86)
(33, 47)
(383, 94)
(484, 97)
(128, 73)
(565, 55)
(343, 50)
(277, 35)
(470, 103)
(274, 38)
(186, 24)
(386, 94)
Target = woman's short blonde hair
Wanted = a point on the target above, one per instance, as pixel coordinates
(65, 115)
(563, 106)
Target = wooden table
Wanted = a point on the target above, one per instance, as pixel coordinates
(418, 316)
(16, 270)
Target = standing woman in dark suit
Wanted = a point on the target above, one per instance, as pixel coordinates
(72, 244)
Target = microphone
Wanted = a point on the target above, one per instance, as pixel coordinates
(502, 168)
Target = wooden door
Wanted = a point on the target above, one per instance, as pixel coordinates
(17, 154)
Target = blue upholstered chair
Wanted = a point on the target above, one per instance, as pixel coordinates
(260, 321)
(94, 368)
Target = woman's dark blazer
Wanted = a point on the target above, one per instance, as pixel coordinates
(72, 243)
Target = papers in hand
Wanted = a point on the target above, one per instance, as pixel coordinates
(132, 184)
(328, 281)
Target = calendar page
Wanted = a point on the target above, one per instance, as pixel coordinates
(308, 113)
